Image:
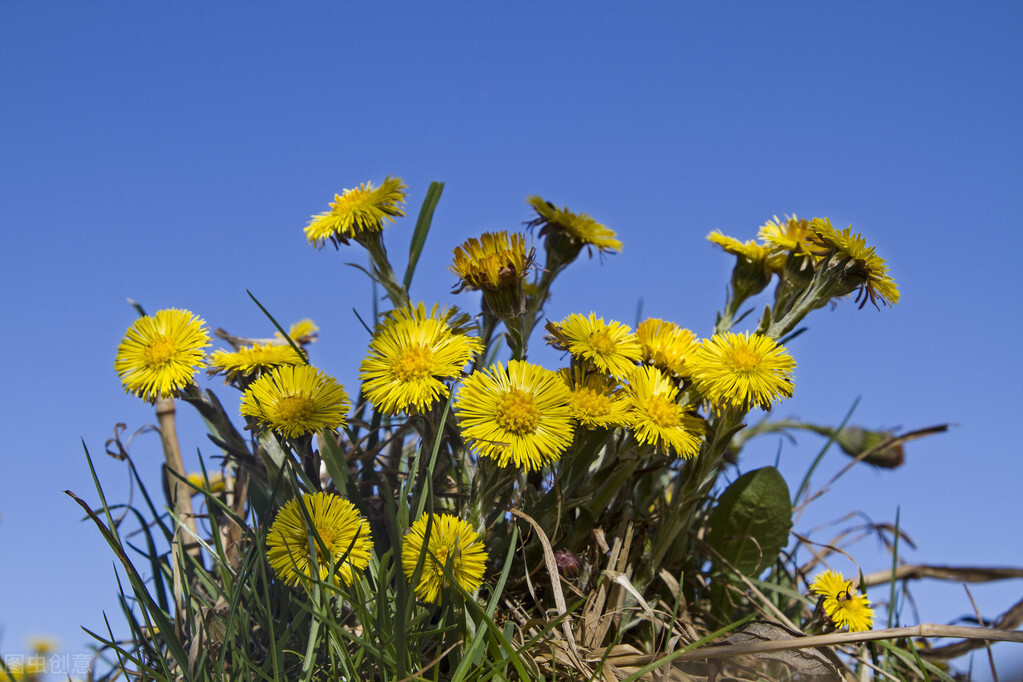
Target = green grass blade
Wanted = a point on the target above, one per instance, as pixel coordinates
(422, 228)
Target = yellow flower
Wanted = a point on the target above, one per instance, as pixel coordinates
(666, 345)
(870, 274)
(656, 417)
(363, 209)
(597, 400)
(160, 354)
(497, 260)
(792, 234)
(302, 332)
(217, 484)
(336, 523)
(410, 356)
(844, 607)
(579, 228)
(610, 347)
(750, 250)
(519, 415)
(452, 544)
(249, 360)
(742, 370)
(295, 400)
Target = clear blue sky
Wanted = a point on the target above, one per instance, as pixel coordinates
(173, 154)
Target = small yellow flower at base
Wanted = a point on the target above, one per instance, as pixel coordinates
(452, 545)
(597, 401)
(742, 370)
(844, 607)
(249, 360)
(336, 522)
(160, 354)
(666, 346)
(518, 415)
(363, 209)
(296, 400)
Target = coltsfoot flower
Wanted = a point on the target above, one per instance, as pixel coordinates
(578, 228)
(452, 544)
(495, 264)
(870, 274)
(656, 417)
(844, 607)
(666, 345)
(611, 347)
(160, 354)
(742, 370)
(518, 415)
(597, 400)
(296, 400)
(250, 360)
(791, 234)
(336, 522)
(410, 357)
(363, 209)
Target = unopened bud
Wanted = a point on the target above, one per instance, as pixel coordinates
(569, 564)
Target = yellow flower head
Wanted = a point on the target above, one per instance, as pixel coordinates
(452, 544)
(363, 209)
(216, 481)
(495, 261)
(335, 523)
(160, 354)
(869, 273)
(742, 370)
(249, 360)
(666, 345)
(610, 347)
(519, 415)
(750, 250)
(302, 332)
(295, 400)
(410, 357)
(597, 400)
(791, 235)
(656, 417)
(580, 229)
(844, 607)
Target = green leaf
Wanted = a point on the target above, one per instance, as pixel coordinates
(752, 520)
(422, 228)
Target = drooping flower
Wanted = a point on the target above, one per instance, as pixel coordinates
(336, 524)
(666, 345)
(296, 400)
(495, 264)
(750, 250)
(597, 400)
(577, 228)
(410, 357)
(742, 370)
(452, 545)
(160, 354)
(610, 347)
(249, 360)
(656, 417)
(363, 209)
(870, 272)
(518, 415)
(844, 607)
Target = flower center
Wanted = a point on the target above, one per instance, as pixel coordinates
(517, 412)
(602, 343)
(412, 364)
(442, 560)
(159, 351)
(744, 360)
(662, 411)
(591, 402)
(294, 409)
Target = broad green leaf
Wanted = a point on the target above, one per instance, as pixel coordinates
(752, 520)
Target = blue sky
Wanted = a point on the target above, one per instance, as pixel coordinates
(173, 154)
